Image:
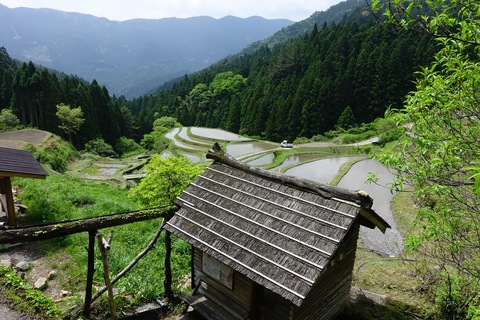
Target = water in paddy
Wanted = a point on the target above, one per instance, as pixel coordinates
(294, 159)
(262, 161)
(240, 149)
(184, 135)
(216, 134)
(192, 157)
(171, 136)
(390, 243)
(321, 170)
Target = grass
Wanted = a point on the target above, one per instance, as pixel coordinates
(401, 279)
(64, 197)
(61, 197)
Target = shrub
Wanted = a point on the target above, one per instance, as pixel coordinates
(8, 120)
(391, 135)
(100, 147)
(301, 140)
(450, 298)
(319, 138)
(54, 152)
(126, 146)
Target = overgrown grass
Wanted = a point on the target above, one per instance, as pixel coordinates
(54, 152)
(60, 198)
(401, 279)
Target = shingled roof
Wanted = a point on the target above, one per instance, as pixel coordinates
(20, 163)
(278, 230)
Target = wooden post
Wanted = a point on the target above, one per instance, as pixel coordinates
(6, 189)
(106, 276)
(167, 283)
(90, 272)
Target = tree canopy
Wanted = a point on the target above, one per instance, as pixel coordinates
(439, 156)
(70, 119)
(165, 179)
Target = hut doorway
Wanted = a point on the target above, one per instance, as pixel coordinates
(269, 305)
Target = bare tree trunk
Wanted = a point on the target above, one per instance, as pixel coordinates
(106, 276)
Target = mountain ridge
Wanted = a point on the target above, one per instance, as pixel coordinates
(130, 57)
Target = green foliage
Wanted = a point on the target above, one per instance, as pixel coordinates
(156, 141)
(100, 147)
(346, 119)
(54, 152)
(394, 134)
(66, 198)
(439, 154)
(8, 120)
(319, 138)
(28, 299)
(165, 180)
(126, 146)
(473, 312)
(451, 300)
(165, 123)
(301, 140)
(70, 118)
(33, 94)
(227, 83)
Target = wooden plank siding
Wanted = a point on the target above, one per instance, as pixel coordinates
(236, 300)
(332, 289)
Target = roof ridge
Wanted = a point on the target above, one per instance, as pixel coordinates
(359, 197)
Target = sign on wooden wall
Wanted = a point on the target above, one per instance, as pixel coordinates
(217, 270)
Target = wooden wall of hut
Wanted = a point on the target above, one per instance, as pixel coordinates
(237, 300)
(331, 291)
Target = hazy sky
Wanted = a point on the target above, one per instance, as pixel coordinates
(295, 10)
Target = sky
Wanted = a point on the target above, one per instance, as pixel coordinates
(121, 10)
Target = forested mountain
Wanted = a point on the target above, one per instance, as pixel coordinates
(293, 89)
(345, 10)
(33, 93)
(129, 57)
(301, 87)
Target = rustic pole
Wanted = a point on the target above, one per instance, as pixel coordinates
(6, 189)
(106, 276)
(168, 269)
(90, 272)
(49, 231)
(133, 262)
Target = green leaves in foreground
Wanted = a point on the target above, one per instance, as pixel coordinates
(165, 179)
(440, 156)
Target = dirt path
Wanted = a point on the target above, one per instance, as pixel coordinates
(7, 312)
(18, 139)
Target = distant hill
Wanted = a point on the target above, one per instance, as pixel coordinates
(351, 10)
(129, 57)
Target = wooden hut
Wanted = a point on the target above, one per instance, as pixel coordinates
(267, 246)
(16, 163)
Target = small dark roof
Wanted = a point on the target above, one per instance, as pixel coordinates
(279, 231)
(20, 163)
